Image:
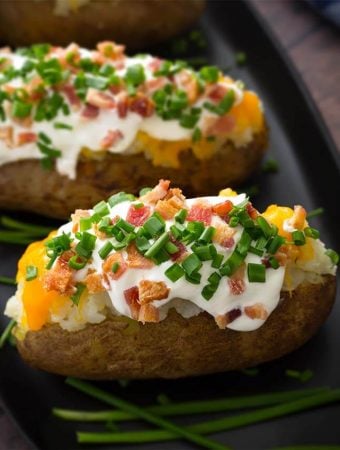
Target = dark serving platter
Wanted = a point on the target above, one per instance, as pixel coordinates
(309, 174)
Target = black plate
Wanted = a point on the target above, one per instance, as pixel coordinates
(308, 175)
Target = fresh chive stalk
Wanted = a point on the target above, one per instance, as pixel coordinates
(31, 229)
(7, 280)
(7, 333)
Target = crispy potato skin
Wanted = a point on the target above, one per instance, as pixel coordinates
(178, 347)
(24, 185)
(135, 23)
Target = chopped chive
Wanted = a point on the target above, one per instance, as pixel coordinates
(115, 267)
(217, 261)
(144, 191)
(85, 223)
(174, 272)
(120, 198)
(256, 251)
(244, 243)
(157, 245)
(31, 273)
(275, 243)
(208, 291)
(7, 280)
(62, 126)
(75, 298)
(270, 166)
(315, 212)
(138, 205)
(312, 233)
(210, 74)
(256, 273)
(240, 58)
(196, 135)
(124, 225)
(44, 138)
(203, 252)
(298, 237)
(207, 234)
(171, 248)
(232, 264)
(176, 232)
(77, 262)
(181, 216)
(194, 278)
(264, 225)
(155, 225)
(214, 278)
(7, 333)
(191, 264)
(303, 376)
(86, 244)
(101, 209)
(274, 262)
(333, 255)
(105, 250)
(142, 244)
(233, 222)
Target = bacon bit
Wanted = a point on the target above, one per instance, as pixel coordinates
(73, 51)
(157, 193)
(236, 286)
(100, 99)
(137, 216)
(142, 105)
(155, 64)
(35, 88)
(225, 319)
(122, 105)
(152, 290)
(108, 263)
(111, 139)
(224, 235)
(266, 263)
(173, 202)
(71, 95)
(218, 125)
(25, 137)
(94, 283)
(216, 92)
(137, 261)
(186, 81)
(26, 122)
(223, 209)
(6, 135)
(60, 277)
(132, 299)
(200, 212)
(282, 256)
(110, 49)
(256, 311)
(90, 111)
(6, 49)
(298, 219)
(78, 214)
(151, 86)
(253, 212)
(182, 250)
(148, 313)
(115, 88)
(98, 58)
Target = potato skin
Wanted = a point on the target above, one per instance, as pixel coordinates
(135, 23)
(24, 185)
(178, 347)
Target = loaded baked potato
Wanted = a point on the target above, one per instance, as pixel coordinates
(137, 23)
(163, 286)
(79, 125)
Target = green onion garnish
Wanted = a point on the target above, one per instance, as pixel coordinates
(31, 273)
(75, 298)
(174, 272)
(154, 226)
(191, 264)
(217, 261)
(264, 225)
(208, 291)
(105, 250)
(7, 333)
(204, 252)
(7, 280)
(274, 262)
(142, 244)
(240, 58)
(232, 264)
(209, 73)
(298, 237)
(315, 212)
(207, 234)
(256, 273)
(244, 243)
(124, 225)
(115, 267)
(256, 251)
(196, 135)
(86, 244)
(303, 376)
(157, 245)
(194, 278)
(85, 223)
(144, 191)
(119, 198)
(181, 216)
(101, 209)
(311, 232)
(270, 166)
(275, 243)
(77, 262)
(333, 255)
(62, 126)
(171, 248)
(176, 232)
(233, 222)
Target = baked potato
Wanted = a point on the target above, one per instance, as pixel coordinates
(136, 23)
(81, 125)
(163, 286)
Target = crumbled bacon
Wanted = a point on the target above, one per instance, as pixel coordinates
(35, 88)
(157, 193)
(216, 92)
(200, 212)
(137, 216)
(256, 311)
(94, 283)
(111, 139)
(225, 319)
(122, 105)
(142, 105)
(154, 84)
(78, 214)
(60, 277)
(90, 111)
(25, 122)
(26, 137)
(100, 99)
(155, 64)
(152, 290)
(131, 296)
(223, 209)
(6, 135)
(172, 203)
(108, 264)
(253, 212)
(110, 49)
(236, 286)
(135, 260)
(224, 235)
(71, 94)
(148, 313)
(298, 219)
(218, 125)
(186, 81)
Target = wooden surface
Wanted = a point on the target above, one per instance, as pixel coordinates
(314, 47)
